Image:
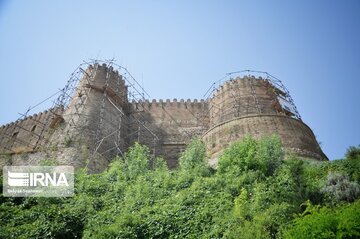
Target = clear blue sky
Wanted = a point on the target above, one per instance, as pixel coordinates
(178, 48)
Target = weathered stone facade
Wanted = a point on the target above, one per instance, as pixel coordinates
(99, 122)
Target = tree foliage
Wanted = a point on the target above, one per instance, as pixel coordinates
(326, 222)
(353, 153)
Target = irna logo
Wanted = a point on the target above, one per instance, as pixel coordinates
(37, 181)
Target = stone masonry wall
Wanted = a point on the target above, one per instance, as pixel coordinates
(30, 133)
(296, 136)
(240, 97)
(174, 122)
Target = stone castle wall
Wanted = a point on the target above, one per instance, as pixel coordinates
(296, 136)
(30, 133)
(100, 123)
(175, 123)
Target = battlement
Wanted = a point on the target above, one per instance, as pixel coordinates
(181, 104)
(28, 134)
(104, 68)
(103, 77)
(36, 117)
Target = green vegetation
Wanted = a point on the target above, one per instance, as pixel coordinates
(253, 193)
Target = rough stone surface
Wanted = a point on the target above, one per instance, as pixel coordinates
(296, 136)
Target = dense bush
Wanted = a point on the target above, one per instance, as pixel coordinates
(254, 193)
(326, 222)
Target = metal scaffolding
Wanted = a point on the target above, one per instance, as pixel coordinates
(283, 100)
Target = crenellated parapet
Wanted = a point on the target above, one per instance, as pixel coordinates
(27, 134)
(179, 104)
(104, 79)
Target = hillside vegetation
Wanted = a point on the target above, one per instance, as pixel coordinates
(253, 193)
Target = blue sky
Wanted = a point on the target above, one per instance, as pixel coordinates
(176, 49)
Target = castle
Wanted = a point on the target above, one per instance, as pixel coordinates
(103, 110)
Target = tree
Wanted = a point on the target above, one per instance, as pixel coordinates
(353, 152)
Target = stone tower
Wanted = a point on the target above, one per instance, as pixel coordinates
(94, 119)
(258, 107)
(97, 110)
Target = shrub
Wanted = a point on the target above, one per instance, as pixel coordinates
(324, 222)
(136, 161)
(193, 156)
(263, 155)
(339, 188)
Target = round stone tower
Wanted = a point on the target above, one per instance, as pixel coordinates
(257, 106)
